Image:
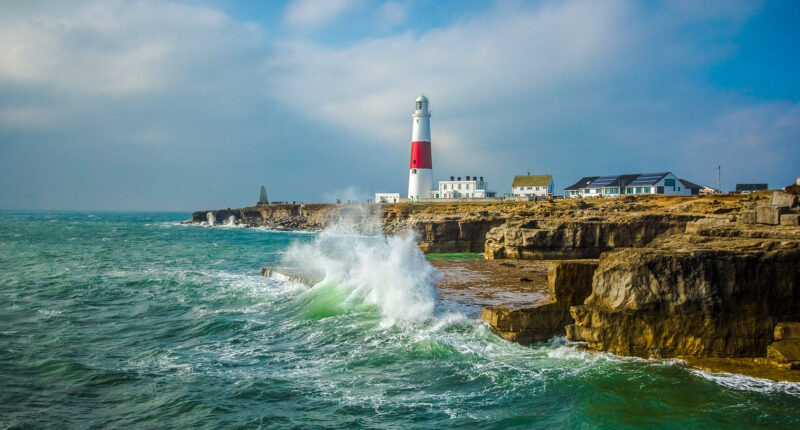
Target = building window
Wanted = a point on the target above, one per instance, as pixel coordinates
(413, 171)
(419, 105)
(467, 186)
(459, 186)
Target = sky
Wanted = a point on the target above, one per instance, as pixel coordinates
(190, 105)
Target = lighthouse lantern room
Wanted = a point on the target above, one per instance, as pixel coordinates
(420, 176)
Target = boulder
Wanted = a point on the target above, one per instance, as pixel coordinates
(770, 214)
(748, 216)
(780, 198)
(787, 331)
(784, 351)
(790, 219)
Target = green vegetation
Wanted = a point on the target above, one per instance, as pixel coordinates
(455, 256)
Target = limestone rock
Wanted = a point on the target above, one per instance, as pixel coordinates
(748, 216)
(780, 198)
(569, 282)
(787, 331)
(784, 351)
(689, 302)
(571, 238)
(770, 214)
(790, 219)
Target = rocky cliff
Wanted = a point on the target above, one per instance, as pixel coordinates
(587, 236)
(441, 227)
(692, 300)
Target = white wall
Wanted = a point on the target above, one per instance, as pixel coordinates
(387, 197)
(539, 191)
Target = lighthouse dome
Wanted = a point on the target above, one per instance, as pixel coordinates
(422, 98)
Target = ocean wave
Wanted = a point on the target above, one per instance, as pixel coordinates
(748, 383)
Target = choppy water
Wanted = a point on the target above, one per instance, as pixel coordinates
(132, 320)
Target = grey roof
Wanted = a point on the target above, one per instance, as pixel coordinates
(688, 184)
(582, 183)
(751, 187)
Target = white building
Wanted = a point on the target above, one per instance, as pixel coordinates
(532, 185)
(662, 183)
(387, 197)
(456, 188)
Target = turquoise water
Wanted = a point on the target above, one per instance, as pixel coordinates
(132, 320)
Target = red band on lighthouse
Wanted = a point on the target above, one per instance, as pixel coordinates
(421, 155)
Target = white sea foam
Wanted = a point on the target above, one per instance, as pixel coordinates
(747, 383)
(390, 272)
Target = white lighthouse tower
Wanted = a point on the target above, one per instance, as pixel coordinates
(420, 176)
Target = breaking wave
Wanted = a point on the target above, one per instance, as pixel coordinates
(362, 271)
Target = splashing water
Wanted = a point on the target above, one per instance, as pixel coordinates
(210, 218)
(388, 272)
(171, 326)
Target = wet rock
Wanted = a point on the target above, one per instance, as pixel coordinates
(569, 283)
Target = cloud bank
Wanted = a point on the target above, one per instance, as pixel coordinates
(166, 105)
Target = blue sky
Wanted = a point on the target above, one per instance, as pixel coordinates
(170, 105)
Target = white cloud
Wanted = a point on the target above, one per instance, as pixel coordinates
(315, 13)
(115, 48)
(368, 86)
(570, 88)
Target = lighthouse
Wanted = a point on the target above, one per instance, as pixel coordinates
(420, 175)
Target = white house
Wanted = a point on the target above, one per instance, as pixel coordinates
(532, 185)
(387, 197)
(456, 188)
(664, 183)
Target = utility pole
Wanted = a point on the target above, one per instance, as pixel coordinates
(719, 178)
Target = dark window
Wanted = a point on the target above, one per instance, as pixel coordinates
(660, 190)
(419, 105)
(413, 171)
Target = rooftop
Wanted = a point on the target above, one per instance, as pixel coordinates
(531, 181)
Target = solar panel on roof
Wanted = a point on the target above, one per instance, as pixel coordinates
(604, 181)
(648, 179)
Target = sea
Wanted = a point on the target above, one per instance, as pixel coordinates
(133, 320)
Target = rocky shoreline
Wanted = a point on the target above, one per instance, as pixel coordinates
(695, 277)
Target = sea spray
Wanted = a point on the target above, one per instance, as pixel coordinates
(361, 271)
(210, 218)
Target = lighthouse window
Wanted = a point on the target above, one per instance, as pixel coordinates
(419, 106)
(413, 171)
